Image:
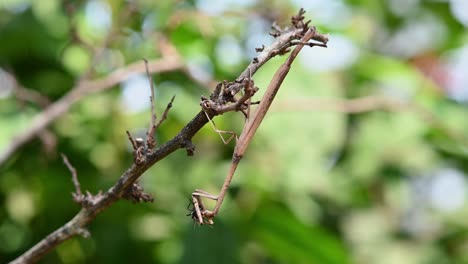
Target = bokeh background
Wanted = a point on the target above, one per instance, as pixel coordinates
(362, 159)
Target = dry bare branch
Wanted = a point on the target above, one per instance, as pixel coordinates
(125, 186)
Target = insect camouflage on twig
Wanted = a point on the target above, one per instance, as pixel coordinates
(199, 212)
(146, 154)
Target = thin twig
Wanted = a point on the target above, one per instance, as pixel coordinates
(72, 169)
(130, 138)
(150, 141)
(78, 197)
(164, 115)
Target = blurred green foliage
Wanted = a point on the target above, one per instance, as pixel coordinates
(385, 185)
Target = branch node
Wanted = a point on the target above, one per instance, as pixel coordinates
(78, 196)
(139, 150)
(87, 200)
(139, 153)
(189, 147)
(136, 194)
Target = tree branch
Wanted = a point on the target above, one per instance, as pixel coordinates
(81, 90)
(76, 226)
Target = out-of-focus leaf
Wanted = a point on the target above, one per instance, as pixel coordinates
(210, 245)
(291, 241)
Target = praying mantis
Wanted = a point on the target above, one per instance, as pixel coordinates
(200, 213)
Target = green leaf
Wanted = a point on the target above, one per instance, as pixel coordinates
(286, 238)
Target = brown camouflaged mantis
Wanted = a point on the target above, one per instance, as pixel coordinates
(204, 216)
(146, 155)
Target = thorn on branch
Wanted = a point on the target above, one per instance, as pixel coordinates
(132, 141)
(260, 49)
(138, 145)
(274, 34)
